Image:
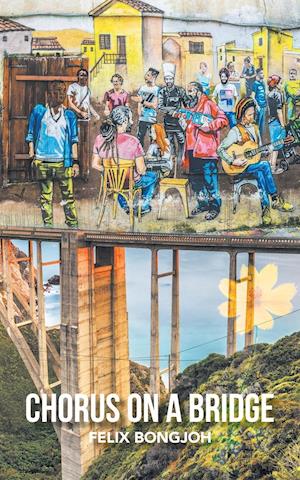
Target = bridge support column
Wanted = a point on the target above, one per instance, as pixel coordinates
(154, 350)
(175, 356)
(249, 330)
(94, 341)
(232, 300)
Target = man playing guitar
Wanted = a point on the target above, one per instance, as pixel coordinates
(247, 131)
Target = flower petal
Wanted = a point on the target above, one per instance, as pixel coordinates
(224, 286)
(278, 300)
(223, 309)
(263, 319)
(267, 277)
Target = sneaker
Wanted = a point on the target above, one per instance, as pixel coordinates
(277, 171)
(200, 209)
(144, 211)
(72, 225)
(280, 204)
(266, 216)
(211, 215)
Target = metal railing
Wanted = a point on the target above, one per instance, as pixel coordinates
(108, 59)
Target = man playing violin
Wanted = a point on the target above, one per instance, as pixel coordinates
(201, 158)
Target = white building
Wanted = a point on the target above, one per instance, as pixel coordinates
(14, 37)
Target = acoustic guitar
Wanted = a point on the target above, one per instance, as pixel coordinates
(249, 151)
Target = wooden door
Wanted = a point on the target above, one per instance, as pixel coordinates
(25, 84)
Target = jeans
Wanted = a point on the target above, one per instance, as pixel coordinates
(143, 128)
(277, 132)
(204, 181)
(172, 135)
(260, 119)
(46, 173)
(261, 171)
(148, 183)
(231, 118)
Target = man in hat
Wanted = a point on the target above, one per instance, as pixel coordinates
(246, 130)
(170, 99)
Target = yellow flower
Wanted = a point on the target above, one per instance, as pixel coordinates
(269, 300)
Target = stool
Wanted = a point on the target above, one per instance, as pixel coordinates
(179, 184)
(238, 184)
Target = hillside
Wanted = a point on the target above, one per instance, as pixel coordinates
(238, 451)
(27, 451)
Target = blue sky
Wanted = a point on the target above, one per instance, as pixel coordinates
(200, 320)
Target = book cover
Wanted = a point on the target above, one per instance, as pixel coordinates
(149, 229)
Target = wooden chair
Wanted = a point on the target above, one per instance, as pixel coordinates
(179, 184)
(118, 179)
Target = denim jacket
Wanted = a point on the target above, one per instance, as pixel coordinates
(34, 127)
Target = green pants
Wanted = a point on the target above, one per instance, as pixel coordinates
(46, 173)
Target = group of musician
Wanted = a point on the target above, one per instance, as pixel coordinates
(187, 143)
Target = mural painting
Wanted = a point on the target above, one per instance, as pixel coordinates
(112, 128)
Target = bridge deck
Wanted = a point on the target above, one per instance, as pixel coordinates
(155, 240)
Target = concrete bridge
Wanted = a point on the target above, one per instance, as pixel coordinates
(93, 356)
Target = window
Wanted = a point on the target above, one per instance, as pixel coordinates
(196, 47)
(85, 49)
(221, 58)
(4, 38)
(92, 49)
(260, 41)
(233, 58)
(104, 42)
(26, 38)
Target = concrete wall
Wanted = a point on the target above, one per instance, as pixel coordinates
(241, 12)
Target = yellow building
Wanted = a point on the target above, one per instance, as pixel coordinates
(187, 50)
(128, 39)
(88, 50)
(229, 52)
(269, 47)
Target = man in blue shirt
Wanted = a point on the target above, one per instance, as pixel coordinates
(259, 95)
(53, 137)
(248, 73)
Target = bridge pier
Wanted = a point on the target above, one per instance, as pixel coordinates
(232, 303)
(249, 330)
(94, 340)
